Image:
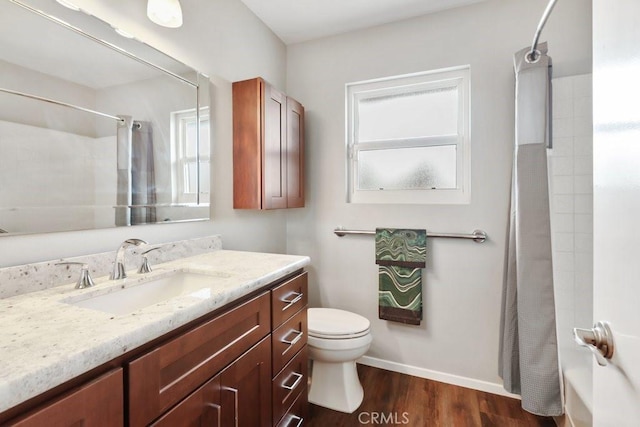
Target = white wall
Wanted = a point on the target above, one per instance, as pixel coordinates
(462, 287)
(221, 38)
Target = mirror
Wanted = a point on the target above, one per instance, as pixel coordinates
(97, 129)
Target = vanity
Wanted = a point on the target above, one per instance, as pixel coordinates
(227, 351)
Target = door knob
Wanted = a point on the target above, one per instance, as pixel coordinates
(598, 340)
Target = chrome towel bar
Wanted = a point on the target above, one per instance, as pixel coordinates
(477, 236)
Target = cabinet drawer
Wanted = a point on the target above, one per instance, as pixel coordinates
(288, 339)
(288, 298)
(98, 403)
(166, 375)
(297, 413)
(289, 383)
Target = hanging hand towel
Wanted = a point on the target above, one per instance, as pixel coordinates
(401, 254)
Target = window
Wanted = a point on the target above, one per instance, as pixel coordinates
(408, 138)
(191, 167)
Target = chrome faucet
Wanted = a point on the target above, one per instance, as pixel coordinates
(118, 266)
(85, 280)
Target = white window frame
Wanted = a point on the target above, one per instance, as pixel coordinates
(458, 77)
(179, 121)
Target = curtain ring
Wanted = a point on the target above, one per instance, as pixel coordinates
(532, 56)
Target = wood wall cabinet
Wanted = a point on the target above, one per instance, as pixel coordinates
(268, 147)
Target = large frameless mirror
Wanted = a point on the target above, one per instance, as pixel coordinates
(97, 129)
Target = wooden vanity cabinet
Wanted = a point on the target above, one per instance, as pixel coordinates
(98, 403)
(243, 367)
(268, 147)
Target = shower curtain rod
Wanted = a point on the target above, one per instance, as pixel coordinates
(477, 236)
(533, 55)
(64, 104)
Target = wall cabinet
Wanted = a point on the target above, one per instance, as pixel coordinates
(243, 367)
(268, 147)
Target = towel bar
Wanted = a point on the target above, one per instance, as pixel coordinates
(477, 236)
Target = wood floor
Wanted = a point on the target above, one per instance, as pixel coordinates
(395, 399)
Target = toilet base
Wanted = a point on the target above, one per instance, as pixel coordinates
(336, 386)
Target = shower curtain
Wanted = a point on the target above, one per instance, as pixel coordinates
(123, 160)
(143, 184)
(529, 362)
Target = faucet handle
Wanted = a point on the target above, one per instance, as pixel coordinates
(145, 267)
(85, 280)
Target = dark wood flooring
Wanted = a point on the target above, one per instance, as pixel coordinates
(393, 399)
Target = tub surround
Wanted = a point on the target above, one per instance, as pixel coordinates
(45, 342)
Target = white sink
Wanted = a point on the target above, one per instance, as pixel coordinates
(128, 299)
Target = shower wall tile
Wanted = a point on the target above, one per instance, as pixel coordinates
(583, 242)
(563, 223)
(562, 166)
(563, 184)
(583, 107)
(563, 204)
(583, 203)
(563, 127)
(583, 146)
(563, 242)
(584, 223)
(563, 146)
(571, 188)
(564, 261)
(583, 165)
(583, 184)
(582, 85)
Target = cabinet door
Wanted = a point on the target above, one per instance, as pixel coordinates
(200, 409)
(164, 376)
(246, 388)
(274, 190)
(295, 154)
(96, 404)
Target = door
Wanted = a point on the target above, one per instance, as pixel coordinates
(274, 149)
(246, 388)
(616, 74)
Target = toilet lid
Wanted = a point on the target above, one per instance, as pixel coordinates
(334, 323)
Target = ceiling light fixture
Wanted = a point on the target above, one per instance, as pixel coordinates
(167, 13)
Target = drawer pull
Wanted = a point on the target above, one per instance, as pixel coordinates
(235, 402)
(294, 418)
(218, 409)
(295, 383)
(297, 296)
(292, 342)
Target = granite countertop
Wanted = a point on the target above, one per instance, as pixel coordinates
(45, 341)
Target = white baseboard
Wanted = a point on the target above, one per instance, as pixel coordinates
(443, 377)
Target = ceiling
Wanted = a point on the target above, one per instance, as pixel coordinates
(302, 20)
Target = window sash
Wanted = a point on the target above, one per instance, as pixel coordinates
(457, 78)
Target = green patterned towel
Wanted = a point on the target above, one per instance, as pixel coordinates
(401, 247)
(401, 254)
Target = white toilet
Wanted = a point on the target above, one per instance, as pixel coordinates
(336, 339)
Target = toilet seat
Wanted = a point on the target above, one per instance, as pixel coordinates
(334, 324)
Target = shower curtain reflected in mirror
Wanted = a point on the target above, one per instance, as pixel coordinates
(136, 173)
(529, 362)
(143, 185)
